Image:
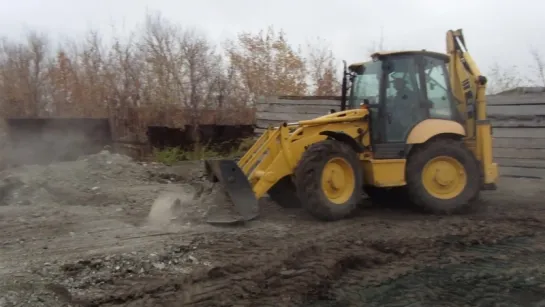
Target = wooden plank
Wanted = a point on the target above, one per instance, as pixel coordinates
(538, 133)
(514, 99)
(516, 110)
(289, 97)
(295, 108)
(522, 172)
(528, 163)
(264, 123)
(285, 117)
(519, 153)
(274, 100)
(518, 143)
(535, 122)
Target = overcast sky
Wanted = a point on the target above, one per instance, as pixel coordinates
(496, 31)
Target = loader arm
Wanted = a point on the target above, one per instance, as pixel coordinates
(276, 153)
(274, 156)
(469, 88)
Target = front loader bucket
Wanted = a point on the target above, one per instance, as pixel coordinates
(241, 204)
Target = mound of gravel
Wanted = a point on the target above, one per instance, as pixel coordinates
(97, 179)
(106, 178)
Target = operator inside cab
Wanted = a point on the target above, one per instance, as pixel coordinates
(401, 109)
(403, 93)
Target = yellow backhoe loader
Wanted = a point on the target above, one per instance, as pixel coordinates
(414, 120)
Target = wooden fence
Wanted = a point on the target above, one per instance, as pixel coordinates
(518, 121)
(276, 110)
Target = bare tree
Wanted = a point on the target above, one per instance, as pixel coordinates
(123, 73)
(227, 88)
(322, 69)
(201, 66)
(266, 64)
(182, 67)
(23, 69)
(37, 44)
(538, 67)
(502, 79)
(163, 65)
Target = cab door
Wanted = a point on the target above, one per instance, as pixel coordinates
(400, 107)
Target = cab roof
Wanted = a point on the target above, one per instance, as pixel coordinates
(410, 52)
(380, 54)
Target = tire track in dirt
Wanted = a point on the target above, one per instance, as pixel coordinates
(508, 274)
(297, 270)
(236, 260)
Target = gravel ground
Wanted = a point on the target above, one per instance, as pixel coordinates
(92, 232)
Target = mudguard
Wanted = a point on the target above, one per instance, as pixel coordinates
(237, 188)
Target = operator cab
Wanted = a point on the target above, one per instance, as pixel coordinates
(400, 89)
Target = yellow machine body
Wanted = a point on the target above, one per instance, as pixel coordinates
(276, 153)
(441, 160)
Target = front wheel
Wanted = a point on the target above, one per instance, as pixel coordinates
(328, 180)
(443, 176)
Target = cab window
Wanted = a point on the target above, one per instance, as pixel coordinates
(437, 88)
(366, 85)
(403, 94)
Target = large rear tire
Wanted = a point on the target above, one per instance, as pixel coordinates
(443, 177)
(328, 180)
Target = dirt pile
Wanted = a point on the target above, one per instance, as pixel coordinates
(68, 182)
(105, 178)
(90, 180)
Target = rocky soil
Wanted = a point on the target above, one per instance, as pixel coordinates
(95, 232)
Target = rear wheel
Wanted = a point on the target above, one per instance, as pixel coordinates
(328, 180)
(443, 176)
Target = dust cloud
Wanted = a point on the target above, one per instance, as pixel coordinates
(174, 208)
(44, 141)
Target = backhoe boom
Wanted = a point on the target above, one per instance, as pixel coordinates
(469, 89)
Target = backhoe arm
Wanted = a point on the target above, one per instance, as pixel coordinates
(469, 89)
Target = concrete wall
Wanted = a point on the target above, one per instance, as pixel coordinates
(518, 120)
(276, 110)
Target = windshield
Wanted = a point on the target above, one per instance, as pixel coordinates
(366, 85)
